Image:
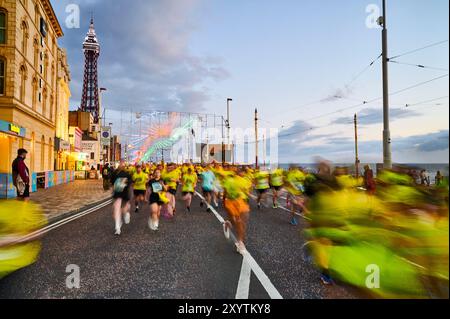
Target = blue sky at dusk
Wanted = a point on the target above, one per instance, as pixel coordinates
(288, 58)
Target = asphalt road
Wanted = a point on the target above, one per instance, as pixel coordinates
(189, 258)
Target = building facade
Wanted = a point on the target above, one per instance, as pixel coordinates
(62, 144)
(29, 81)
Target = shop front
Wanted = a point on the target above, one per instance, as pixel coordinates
(10, 134)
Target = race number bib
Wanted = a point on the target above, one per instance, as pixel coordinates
(156, 187)
(120, 184)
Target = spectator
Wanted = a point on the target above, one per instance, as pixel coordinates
(21, 175)
(369, 181)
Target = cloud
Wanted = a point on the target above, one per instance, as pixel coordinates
(145, 59)
(404, 149)
(374, 116)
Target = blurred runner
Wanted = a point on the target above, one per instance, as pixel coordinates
(157, 198)
(276, 183)
(189, 183)
(261, 185)
(140, 180)
(121, 180)
(171, 177)
(207, 182)
(18, 219)
(236, 190)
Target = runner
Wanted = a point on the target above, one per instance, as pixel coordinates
(189, 182)
(208, 180)
(276, 182)
(295, 186)
(139, 186)
(121, 180)
(236, 190)
(157, 199)
(171, 177)
(261, 185)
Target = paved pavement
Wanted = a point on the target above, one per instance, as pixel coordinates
(65, 198)
(188, 258)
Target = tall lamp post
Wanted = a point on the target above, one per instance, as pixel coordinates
(229, 100)
(387, 156)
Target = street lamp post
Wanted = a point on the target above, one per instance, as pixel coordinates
(228, 121)
(387, 156)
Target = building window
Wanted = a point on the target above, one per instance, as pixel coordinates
(24, 38)
(51, 108)
(36, 53)
(44, 103)
(2, 75)
(3, 22)
(23, 81)
(92, 156)
(35, 90)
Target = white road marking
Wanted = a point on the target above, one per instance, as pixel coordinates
(244, 280)
(247, 258)
(46, 229)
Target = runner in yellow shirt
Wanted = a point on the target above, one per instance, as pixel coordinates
(236, 190)
(171, 177)
(261, 185)
(189, 182)
(140, 179)
(276, 183)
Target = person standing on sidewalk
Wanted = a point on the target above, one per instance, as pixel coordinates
(21, 175)
(106, 175)
(121, 181)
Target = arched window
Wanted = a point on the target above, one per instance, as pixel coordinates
(2, 75)
(35, 93)
(53, 79)
(25, 36)
(37, 15)
(52, 100)
(36, 53)
(45, 67)
(44, 103)
(23, 82)
(3, 25)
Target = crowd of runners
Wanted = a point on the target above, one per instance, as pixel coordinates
(348, 222)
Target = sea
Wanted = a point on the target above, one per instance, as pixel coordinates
(431, 169)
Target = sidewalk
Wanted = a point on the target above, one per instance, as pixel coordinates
(62, 199)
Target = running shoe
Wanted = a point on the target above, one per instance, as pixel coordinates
(226, 229)
(201, 204)
(294, 221)
(216, 204)
(150, 224)
(137, 209)
(240, 248)
(127, 218)
(326, 280)
(208, 210)
(259, 205)
(188, 209)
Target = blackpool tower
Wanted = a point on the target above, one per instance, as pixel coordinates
(90, 96)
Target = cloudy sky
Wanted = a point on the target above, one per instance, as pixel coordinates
(305, 64)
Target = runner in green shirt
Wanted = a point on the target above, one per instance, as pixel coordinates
(189, 182)
(139, 186)
(276, 182)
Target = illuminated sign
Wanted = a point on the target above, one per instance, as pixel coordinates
(15, 129)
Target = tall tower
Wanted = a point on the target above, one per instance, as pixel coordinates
(89, 100)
